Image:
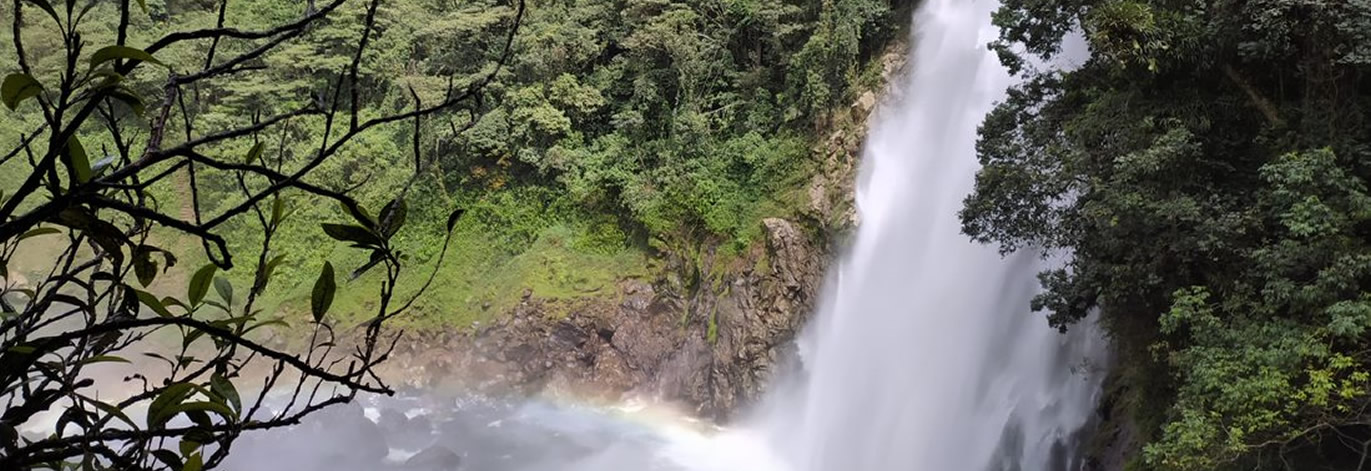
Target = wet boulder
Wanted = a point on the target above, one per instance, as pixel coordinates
(343, 434)
(402, 431)
(434, 458)
(392, 420)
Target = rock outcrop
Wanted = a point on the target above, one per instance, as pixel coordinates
(756, 322)
(641, 343)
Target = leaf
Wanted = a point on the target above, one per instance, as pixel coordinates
(77, 160)
(359, 214)
(18, 87)
(217, 304)
(114, 411)
(264, 276)
(169, 259)
(188, 446)
(232, 321)
(452, 218)
(39, 231)
(393, 217)
(271, 264)
(74, 415)
(160, 357)
(199, 284)
(254, 154)
(224, 388)
(134, 102)
(168, 458)
(170, 301)
(347, 233)
(69, 299)
(104, 359)
(98, 168)
(224, 288)
(194, 463)
(194, 406)
(109, 53)
(277, 208)
(47, 7)
(159, 411)
(191, 337)
(273, 322)
(104, 276)
(106, 235)
(376, 257)
(111, 80)
(143, 266)
(322, 296)
(200, 435)
(128, 302)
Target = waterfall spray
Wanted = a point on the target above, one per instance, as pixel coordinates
(924, 355)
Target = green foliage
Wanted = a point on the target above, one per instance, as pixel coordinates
(19, 87)
(615, 123)
(321, 297)
(1217, 217)
(671, 114)
(617, 126)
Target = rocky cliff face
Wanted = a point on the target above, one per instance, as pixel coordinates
(711, 351)
(642, 343)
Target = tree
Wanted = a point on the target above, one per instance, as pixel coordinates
(1206, 167)
(111, 120)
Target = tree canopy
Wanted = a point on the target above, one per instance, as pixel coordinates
(1207, 167)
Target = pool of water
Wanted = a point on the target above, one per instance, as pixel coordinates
(414, 431)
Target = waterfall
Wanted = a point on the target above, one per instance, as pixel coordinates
(924, 354)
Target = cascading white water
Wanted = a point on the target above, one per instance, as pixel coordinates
(924, 355)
